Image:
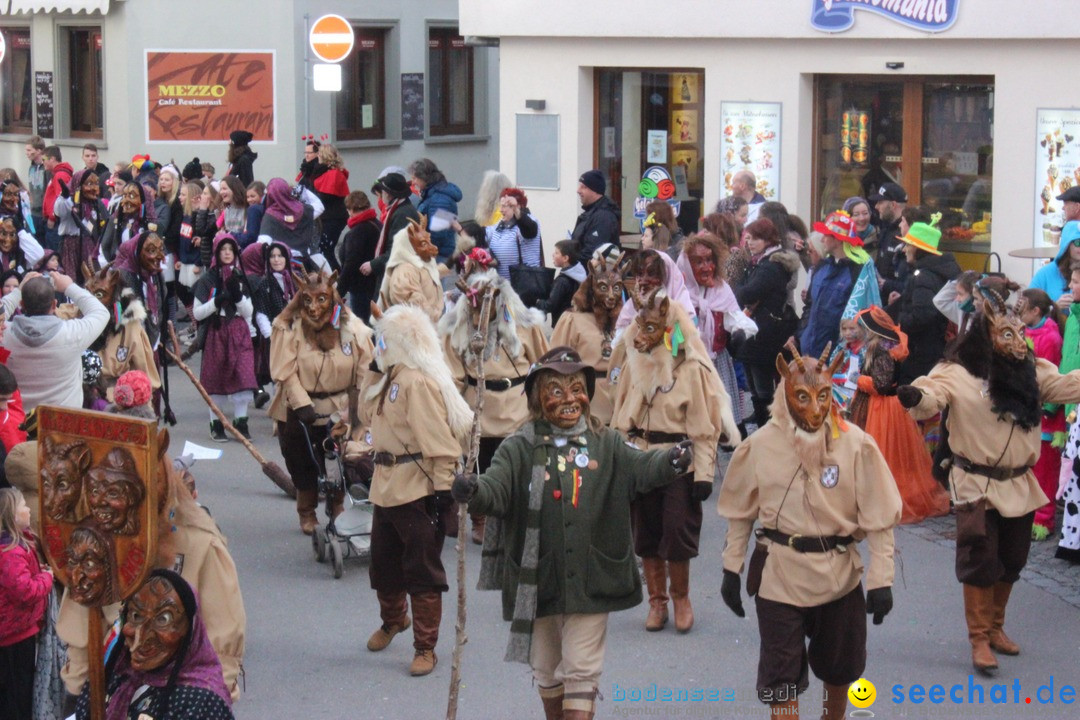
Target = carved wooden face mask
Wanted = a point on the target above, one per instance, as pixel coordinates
(607, 286)
(703, 265)
(9, 200)
(563, 398)
(114, 493)
(90, 568)
(62, 478)
(808, 388)
(652, 320)
(420, 239)
(131, 200)
(152, 254)
(1006, 331)
(318, 299)
(103, 284)
(156, 625)
(90, 187)
(8, 235)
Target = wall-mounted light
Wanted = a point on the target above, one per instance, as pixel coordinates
(894, 65)
(535, 104)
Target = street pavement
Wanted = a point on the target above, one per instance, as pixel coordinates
(306, 632)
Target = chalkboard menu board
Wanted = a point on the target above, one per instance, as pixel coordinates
(43, 100)
(412, 106)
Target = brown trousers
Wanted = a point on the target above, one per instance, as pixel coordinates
(999, 555)
(667, 522)
(406, 549)
(294, 449)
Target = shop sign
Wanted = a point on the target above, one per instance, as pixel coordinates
(656, 184)
(204, 96)
(928, 15)
(1057, 168)
(751, 141)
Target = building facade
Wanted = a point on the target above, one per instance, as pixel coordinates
(173, 79)
(959, 101)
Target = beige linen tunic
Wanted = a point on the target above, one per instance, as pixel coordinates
(765, 482)
(412, 419)
(407, 284)
(976, 433)
(580, 331)
(128, 349)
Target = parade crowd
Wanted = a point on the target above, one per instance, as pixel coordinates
(854, 375)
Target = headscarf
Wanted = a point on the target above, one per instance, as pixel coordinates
(16, 215)
(281, 204)
(676, 291)
(127, 258)
(196, 663)
(226, 270)
(716, 299)
(83, 208)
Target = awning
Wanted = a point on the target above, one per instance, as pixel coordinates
(75, 6)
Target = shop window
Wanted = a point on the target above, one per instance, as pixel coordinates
(361, 104)
(934, 137)
(85, 102)
(451, 93)
(650, 119)
(16, 83)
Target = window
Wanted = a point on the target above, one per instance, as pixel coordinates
(450, 67)
(85, 82)
(361, 104)
(16, 83)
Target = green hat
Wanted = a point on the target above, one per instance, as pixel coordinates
(925, 237)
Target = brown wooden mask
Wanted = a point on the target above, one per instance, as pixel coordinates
(114, 493)
(564, 399)
(8, 235)
(652, 319)
(318, 298)
(607, 286)
(420, 239)
(62, 478)
(808, 387)
(152, 253)
(1006, 331)
(90, 561)
(155, 625)
(103, 284)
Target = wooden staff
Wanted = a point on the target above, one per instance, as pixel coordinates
(270, 468)
(95, 653)
(476, 347)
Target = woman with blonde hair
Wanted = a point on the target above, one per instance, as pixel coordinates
(487, 198)
(661, 230)
(331, 184)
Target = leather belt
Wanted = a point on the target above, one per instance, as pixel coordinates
(388, 459)
(324, 394)
(805, 543)
(501, 384)
(994, 473)
(654, 437)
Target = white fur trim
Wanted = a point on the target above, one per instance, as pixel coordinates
(402, 252)
(510, 314)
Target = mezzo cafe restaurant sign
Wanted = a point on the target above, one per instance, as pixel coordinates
(927, 15)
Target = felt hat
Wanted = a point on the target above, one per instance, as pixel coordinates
(393, 183)
(132, 389)
(889, 191)
(594, 180)
(240, 137)
(564, 361)
(839, 225)
(925, 237)
(878, 322)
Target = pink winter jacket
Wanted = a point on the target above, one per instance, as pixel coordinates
(24, 587)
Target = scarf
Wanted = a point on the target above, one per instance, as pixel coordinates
(281, 204)
(707, 301)
(362, 216)
(386, 226)
(127, 258)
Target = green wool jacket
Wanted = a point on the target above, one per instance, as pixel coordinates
(586, 562)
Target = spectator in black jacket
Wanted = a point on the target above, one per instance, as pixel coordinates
(241, 158)
(599, 221)
(356, 248)
(571, 274)
(393, 189)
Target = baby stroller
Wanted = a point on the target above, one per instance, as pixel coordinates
(347, 475)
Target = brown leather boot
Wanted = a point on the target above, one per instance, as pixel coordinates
(679, 572)
(427, 614)
(999, 641)
(395, 619)
(478, 523)
(579, 699)
(306, 502)
(979, 612)
(656, 582)
(834, 705)
(552, 697)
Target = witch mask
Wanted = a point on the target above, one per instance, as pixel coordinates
(152, 253)
(155, 625)
(91, 567)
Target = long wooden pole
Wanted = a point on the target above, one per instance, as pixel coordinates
(476, 347)
(96, 657)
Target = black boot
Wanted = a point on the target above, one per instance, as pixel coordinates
(217, 431)
(241, 425)
(261, 398)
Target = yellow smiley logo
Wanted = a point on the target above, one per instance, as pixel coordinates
(862, 693)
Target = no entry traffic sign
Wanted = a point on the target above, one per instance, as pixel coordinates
(331, 38)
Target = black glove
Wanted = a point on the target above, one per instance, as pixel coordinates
(701, 491)
(464, 486)
(736, 342)
(681, 456)
(306, 415)
(65, 191)
(235, 288)
(731, 592)
(909, 395)
(879, 603)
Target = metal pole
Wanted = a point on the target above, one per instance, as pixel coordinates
(307, 79)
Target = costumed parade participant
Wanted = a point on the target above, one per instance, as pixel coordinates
(564, 481)
(132, 216)
(418, 423)
(876, 410)
(139, 263)
(666, 392)
(589, 325)
(994, 388)
(123, 345)
(412, 275)
(18, 248)
(515, 340)
(646, 270)
(319, 355)
(164, 665)
(805, 571)
(269, 268)
(290, 219)
(82, 217)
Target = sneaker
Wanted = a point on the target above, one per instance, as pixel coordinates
(241, 425)
(261, 398)
(217, 431)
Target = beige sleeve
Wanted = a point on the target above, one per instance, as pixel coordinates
(936, 392)
(144, 359)
(704, 422)
(405, 288)
(71, 629)
(223, 614)
(433, 432)
(284, 365)
(738, 502)
(565, 333)
(879, 508)
(1055, 387)
(536, 344)
(620, 384)
(454, 361)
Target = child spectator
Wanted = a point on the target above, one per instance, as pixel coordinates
(845, 381)
(569, 276)
(11, 409)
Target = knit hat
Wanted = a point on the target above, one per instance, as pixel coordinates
(240, 137)
(925, 237)
(594, 180)
(608, 253)
(564, 361)
(193, 170)
(132, 389)
(171, 170)
(91, 367)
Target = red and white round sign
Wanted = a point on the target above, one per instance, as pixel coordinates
(331, 38)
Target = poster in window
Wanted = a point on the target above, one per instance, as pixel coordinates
(412, 106)
(203, 96)
(684, 126)
(43, 103)
(684, 88)
(1057, 168)
(751, 141)
(656, 148)
(689, 160)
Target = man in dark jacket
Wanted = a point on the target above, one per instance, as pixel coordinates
(241, 158)
(395, 192)
(889, 201)
(599, 221)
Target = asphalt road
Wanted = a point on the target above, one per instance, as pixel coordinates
(306, 634)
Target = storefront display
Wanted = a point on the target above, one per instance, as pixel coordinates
(1057, 168)
(751, 133)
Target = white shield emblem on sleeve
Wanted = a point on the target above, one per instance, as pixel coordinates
(830, 476)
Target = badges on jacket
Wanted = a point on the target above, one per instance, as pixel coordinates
(393, 392)
(830, 476)
(121, 354)
(613, 376)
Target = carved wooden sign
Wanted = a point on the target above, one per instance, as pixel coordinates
(99, 500)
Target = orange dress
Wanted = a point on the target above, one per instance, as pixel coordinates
(900, 441)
